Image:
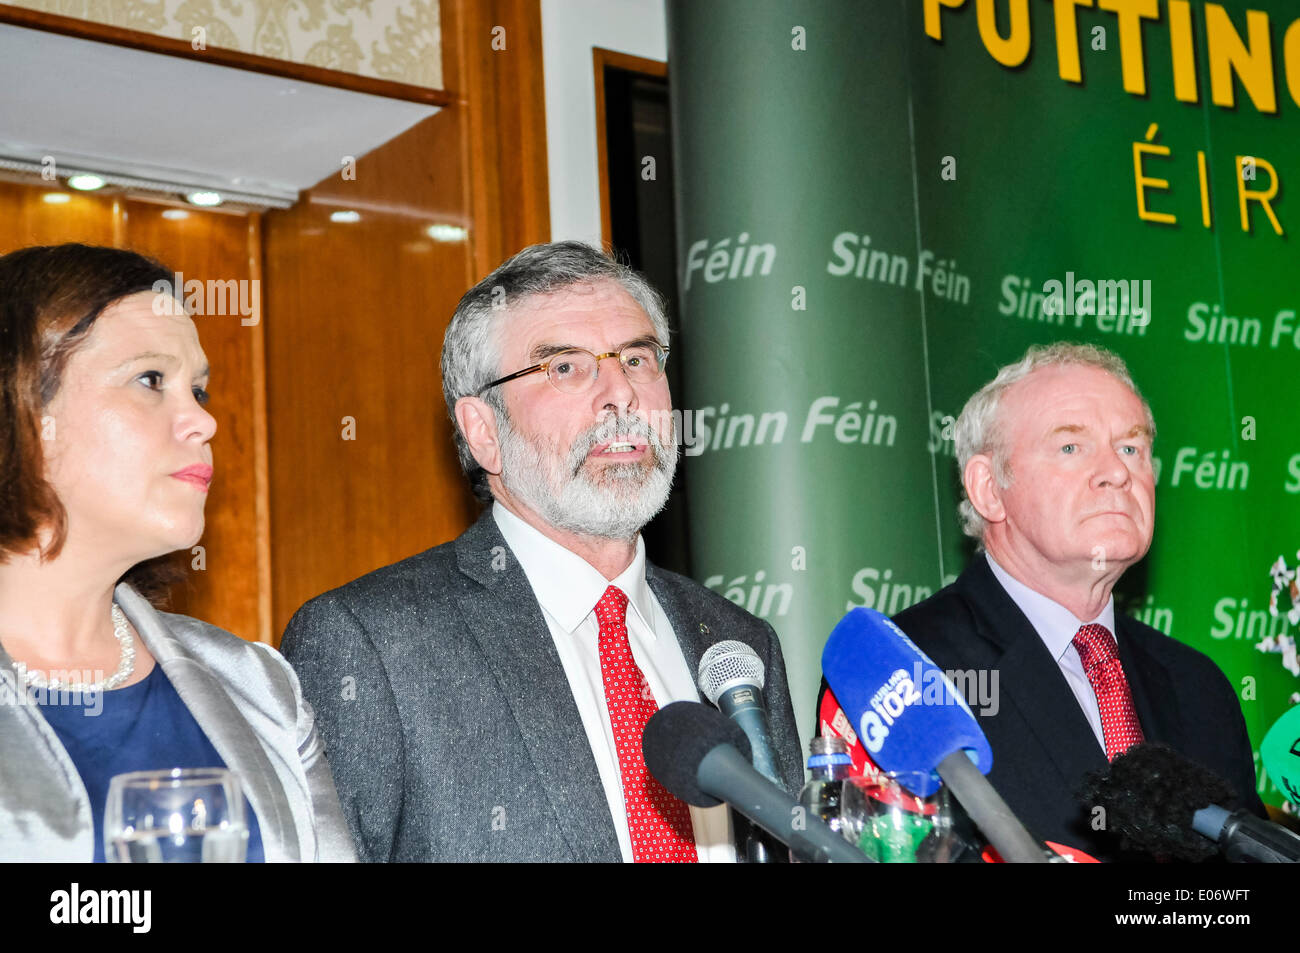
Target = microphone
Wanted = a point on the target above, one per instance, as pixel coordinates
(909, 717)
(1164, 804)
(1280, 754)
(702, 757)
(731, 677)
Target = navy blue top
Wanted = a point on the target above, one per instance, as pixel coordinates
(142, 727)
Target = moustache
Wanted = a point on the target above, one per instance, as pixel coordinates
(609, 429)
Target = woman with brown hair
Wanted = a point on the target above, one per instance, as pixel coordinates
(105, 461)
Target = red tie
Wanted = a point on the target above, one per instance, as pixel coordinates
(1100, 658)
(659, 823)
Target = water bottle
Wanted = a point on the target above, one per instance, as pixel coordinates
(828, 765)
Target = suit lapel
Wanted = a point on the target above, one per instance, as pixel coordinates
(693, 634)
(1148, 682)
(507, 622)
(222, 722)
(1030, 678)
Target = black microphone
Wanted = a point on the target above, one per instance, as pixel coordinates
(702, 757)
(1163, 804)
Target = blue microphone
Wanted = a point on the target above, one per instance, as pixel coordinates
(910, 717)
(907, 714)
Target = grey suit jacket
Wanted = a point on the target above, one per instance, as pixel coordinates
(451, 726)
(248, 703)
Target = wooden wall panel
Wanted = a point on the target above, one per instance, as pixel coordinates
(213, 246)
(356, 311)
(351, 327)
(232, 591)
(27, 219)
(363, 471)
(501, 94)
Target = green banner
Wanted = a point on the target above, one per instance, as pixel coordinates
(881, 203)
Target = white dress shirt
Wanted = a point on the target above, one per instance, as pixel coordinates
(568, 587)
(1056, 626)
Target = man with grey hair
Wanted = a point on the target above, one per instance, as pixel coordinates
(497, 685)
(1055, 459)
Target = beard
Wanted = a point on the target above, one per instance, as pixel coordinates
(610, 501)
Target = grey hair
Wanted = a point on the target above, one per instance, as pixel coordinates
(471, 352)
(979, 428)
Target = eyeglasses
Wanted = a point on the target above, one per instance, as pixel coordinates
(574, 370)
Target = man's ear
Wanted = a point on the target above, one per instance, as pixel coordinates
(478, 422)
(982, 488)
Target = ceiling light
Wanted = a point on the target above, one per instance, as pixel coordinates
(84, 182)
(345, 216)
(205, 199)
(446, 233)
(261, 197)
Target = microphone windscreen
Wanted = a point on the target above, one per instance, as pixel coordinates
(677, 738)
(1149, 795)
(726, 665)
(906, 713)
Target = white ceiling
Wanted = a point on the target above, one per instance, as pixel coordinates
(103, 108)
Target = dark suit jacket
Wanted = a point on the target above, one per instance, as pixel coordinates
(449, 722)
(1042, 743)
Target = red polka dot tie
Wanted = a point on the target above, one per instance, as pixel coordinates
(659, 823)
(1100, 658)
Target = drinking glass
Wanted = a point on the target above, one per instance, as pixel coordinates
(180, 815)
(891, 824)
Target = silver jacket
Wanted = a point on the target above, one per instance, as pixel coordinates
(246, 699)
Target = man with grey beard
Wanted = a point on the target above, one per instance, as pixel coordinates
(484, 700)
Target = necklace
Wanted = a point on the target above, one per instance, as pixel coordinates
(124, 667)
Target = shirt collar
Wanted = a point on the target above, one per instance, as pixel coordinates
(567, 586)
(1055, 624)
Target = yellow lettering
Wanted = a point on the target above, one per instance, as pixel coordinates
(1131, 13)
(1067, 39)
(1253, 64)
(1245, 195)
(1140, 180)
(1012, 50)
(1205, 188)
(1291, 56)
(932, 27)
(1184, 56)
